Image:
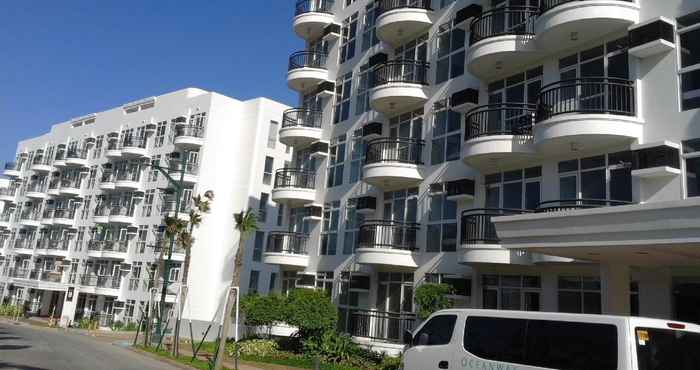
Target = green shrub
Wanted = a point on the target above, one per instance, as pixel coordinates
(310, 311)
(8, 310)
(263, 310)
(88, 324)
(254, 347)
(390, 363)
(432, 298)
(117, 326)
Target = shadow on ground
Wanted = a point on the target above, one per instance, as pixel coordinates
(12, 347)
(7, 365)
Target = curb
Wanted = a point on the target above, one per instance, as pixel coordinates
(160, 358)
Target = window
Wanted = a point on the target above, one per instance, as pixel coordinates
(447, 134)
(363, 87)
(99, 142)
(579, 294)
(348, 3)
(542, 343)
(148, 199)
(603, 177)
(267, 172)
(198, 120)
(253, 282)
(258, 246)
(407, 125)
(401, 205)
(451, 41)
(262, 207)
(343, 91)
(142, 238)
(461, 286)
(517, 189)
(273, 282)
(280, 214)
(521, 88)
(161, 129)
(272, 134)
(336, 161)
(347, 38)
(395, 294)
(329, 231)
(667, 349)
(353, 220)
(324, 281)
(416, 49)
(86, 207)
(442, 221)
(369, 33)
(357, 156)
(289, 281)
(691, 153)
(154, 173)
(92, 177)
(689, 37)
(436, 332)
(511, 292)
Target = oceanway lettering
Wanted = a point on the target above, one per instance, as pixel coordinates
(478, 364)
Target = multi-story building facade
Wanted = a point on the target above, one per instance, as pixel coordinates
(533, 154)
(81, 228)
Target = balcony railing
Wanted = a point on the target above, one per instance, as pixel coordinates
(128, 175)
(574, 204)
(77, 154)
(387, 5)
(546, 5)
(107, 176)
(307, 59)
(402, 150)
(41, 160)
(190, 131)
(32, 215)
(102, 211)
(6, 217)
(477, 227)
(110, 282)
(108, 246)
(37, 186)
(314, 6)
(19, 273)
(377, 325)
(190, 168)
(287, 243)
(48, 276)
(54, 245)
(71, 183)
(23, 244)
(302, 117)
(10, 192)
(54, 184)
(134, 142)
(126, 211)
(12, 166)
(500, 119)
(169, 206)
(294, 178)
(594, 95)
(66, 214)
(387, 234)
(401, 71)
(502, 22)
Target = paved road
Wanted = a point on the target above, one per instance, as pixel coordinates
(24, 347)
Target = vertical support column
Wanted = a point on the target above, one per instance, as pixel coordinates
(615, 281)
(549, 296)
(70, 304)
(476, 289)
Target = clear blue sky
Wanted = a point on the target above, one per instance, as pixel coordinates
(65, 58)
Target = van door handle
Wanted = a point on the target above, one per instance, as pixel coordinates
(444, 365)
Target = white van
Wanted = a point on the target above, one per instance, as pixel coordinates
(515, 340)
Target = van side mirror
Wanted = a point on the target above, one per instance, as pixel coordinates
(407, 337)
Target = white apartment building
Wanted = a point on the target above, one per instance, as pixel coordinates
(534, 154)
(81, 228)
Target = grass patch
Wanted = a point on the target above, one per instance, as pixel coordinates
(185, 360)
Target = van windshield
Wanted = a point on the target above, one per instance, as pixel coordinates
(662, 349)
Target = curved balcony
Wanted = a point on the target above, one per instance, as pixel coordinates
(498, 135)
(586, 114)
(71, 188)
(108, 181)
(121, 215)
(393, 163)
(108, 285)
(77, 158)
(294, 187)
(480, 243)
(12, 169)
(64, 217)
(563, 205)
(41, 164)
(23, 246)
(501, 41)
(287, 249)
(113, 151)
(8, 194)
(108, 249)
(189, 137)
(101, 215)
(37, 190)
(128, 180)
(54, 187)
(401, 20)
(31, 219)
(388, 243)
(398, 86)
(306, 70)
(134, 147)
(566, 24)
(169, 206)
(6, 220)
(311, 17)
(52, 247)
(191, 175)
(300, 127)
(47, 217)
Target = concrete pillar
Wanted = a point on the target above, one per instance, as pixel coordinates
(476, 289)
(615, 281)
(549, 301)
(70, 303)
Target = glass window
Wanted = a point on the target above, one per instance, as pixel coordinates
(447, 134)
(353, 220)
(253, 282)
(689, 36)
(258, 245)
(357, 156)
(347, 39)
(369, 34)
(691, 149)
(442, 219)
(329, 231)
(579, 294)
(363, 87)
(336, 161)
(343, 92)
(495, 339)
(450, 52)
(667, 349)
(436, 332)
(511, 292)
(267, 172)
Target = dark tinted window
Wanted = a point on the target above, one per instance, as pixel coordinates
(495, 338)
(439, 330)
(661, 349)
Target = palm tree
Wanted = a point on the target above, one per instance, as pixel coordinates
(246, 224)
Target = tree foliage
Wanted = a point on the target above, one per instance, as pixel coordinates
(432, 298)
(263, 310)
(311, 311)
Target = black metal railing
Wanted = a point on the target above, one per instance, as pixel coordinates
(120, 246)
(41, 160)
(107, 176)
(65, 214)
(546, 5)
(10, 192)
(477, 227)
(132, 175)
(387, 5)
(596, 95)
(307, 59)
(574, 204)
(503, 21)
(111, 282)
(38, 186)
(169, 205)
(402, 150)
(500, 119)
(294, 178)
(302, 117)
(77, 153)
(287, 243)
(379, 325)
(134, 142)
(71, 183)
(400, 71)
(314, 6)
(126, 211)
(190, 168)
(190, 131)
(12, 166)
(387, 234)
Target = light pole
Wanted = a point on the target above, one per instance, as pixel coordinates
(179, 188)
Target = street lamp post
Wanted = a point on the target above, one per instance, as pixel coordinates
(179, 187)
